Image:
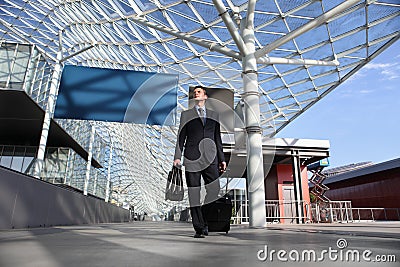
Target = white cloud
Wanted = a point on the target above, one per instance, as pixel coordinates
(388, 71)
(393, 73)
(366, 91)
(379, 66)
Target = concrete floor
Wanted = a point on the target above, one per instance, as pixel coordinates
(172, 244)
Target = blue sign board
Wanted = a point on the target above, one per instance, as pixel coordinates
(117, 95)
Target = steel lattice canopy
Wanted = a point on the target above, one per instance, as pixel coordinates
(126, 34)
(305, 49)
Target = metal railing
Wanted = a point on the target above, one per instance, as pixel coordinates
(374, 214)
(281, 211)
(277, 211)
(332, 211)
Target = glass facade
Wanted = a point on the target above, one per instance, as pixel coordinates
(134, 158)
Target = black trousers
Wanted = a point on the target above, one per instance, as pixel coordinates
(210, 176)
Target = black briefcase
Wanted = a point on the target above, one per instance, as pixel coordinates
(174, 190)
(218, 214)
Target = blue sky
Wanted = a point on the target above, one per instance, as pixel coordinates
(361, 117)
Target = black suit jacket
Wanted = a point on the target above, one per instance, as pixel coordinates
(200, 143)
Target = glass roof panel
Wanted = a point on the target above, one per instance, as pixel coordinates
(307, 96)
(145, 5)
(124, 7)
(181, 14)
(377, 12)
(305, 87)
(311, 10)
(159, 18)
(295, 22)
(276, 27)
(344, 25)
(384, 28)
(206, 9)
(283, 68)
(318, 70)
(358, 38)
(327, 79)
(283, 53)
(312, 38)
(285, 6)
(267, 7)
(299, 75)
(320, 51)
(262, 19)
(221, 32)
(328, 5)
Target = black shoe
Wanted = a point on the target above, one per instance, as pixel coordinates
(197, 235)
(205, 231)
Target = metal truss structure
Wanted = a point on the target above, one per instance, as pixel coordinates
(304, 50)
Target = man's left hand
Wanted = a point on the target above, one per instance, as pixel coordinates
(222, 166)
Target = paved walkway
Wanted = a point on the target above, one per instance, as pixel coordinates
(172, 244)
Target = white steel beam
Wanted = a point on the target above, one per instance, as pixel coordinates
(232, 28)
(201, 42)
(77, 53)
(296, 61)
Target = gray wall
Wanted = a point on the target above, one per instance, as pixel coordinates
(29, 202)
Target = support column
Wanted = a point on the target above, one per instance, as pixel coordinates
(31, 70)
(255, 171)
(51, 102)
(298, 192)
(68, 167)
(108, 188)
(89, 161)
(255, 166)
(95, 182)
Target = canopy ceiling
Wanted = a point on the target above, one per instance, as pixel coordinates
(147, 35)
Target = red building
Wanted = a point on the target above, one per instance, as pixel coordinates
(374, 186)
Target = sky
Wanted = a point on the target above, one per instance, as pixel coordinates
(361, 117)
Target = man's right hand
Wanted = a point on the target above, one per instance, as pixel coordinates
(177, 162)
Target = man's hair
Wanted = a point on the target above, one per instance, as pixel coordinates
(201, 87)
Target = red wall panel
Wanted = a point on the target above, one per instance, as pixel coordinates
(377, 190)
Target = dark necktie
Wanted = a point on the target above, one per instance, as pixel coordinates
(201, 113)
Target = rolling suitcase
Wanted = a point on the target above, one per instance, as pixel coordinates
(218, 214)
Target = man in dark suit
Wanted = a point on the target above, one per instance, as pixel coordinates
(199, 140)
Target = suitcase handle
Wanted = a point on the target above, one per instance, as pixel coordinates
(226, 184)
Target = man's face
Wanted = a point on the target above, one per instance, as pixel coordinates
(199, 94)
